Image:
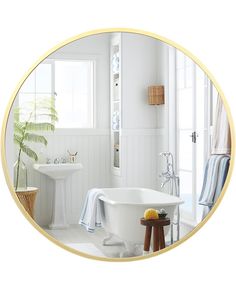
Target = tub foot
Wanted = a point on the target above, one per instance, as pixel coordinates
(109, 237)
(131, 250)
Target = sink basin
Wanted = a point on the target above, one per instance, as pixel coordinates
(58, 172)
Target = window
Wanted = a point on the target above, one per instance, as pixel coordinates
(37, 87)
(74, 93)
(71, 83)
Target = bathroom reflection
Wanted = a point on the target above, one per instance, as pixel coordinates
(121, 145)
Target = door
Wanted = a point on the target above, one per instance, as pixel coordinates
(192, 131)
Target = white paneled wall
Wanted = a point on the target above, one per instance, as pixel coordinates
(93, 153)
(141, 166)
(141, 163)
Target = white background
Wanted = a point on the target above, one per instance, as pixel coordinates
(29, 263)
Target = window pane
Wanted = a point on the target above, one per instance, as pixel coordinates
(185, 108)
(189, 76)
(185, 149)
(74, 87)
(180, 78)
(188, 61)
(29, 84)
(200, 98)
(179, 59)
(43, 78)
(26, 103)
(43, 102)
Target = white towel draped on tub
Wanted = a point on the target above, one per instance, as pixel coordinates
(91, 213)
(221, 139)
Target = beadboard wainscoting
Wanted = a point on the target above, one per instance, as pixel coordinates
(140, 166)
(140, 161)
(93, 153)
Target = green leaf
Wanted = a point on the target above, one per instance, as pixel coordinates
(17, 139)
(50, 109)
(45, 102)
(51, 116)
(18, 128)
(43, 108)
(35, 138)
(40, 126)
(30, 153)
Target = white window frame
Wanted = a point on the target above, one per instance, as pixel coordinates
(52, 86)
(94, 123)
(53, 90)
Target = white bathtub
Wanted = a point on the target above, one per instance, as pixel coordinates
(122, 208)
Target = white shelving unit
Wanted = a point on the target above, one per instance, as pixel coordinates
(115, 102)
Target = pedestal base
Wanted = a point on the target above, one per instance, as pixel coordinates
(59, 211)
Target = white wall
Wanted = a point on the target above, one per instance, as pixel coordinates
(143, 137)
(142, 66)
(140, 162)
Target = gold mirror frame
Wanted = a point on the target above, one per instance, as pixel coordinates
(75, 38)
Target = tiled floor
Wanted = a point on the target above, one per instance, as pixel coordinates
(90, 243)
(78, 238)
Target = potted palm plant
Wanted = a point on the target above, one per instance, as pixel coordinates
(39, 115)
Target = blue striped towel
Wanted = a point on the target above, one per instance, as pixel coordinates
(91, 213)
(214, 178)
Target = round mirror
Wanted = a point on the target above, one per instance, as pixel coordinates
(118, 145)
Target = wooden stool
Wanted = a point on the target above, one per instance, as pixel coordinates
(158, 233)
(27, 198)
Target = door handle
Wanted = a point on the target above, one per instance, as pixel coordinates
(194, 136)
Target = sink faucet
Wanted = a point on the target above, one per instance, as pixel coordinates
(48, 161)
(56, 161)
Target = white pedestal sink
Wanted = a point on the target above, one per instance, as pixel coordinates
(58, 172)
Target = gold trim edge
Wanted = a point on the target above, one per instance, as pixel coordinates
(43, 57)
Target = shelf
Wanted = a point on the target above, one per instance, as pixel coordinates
(115, 103)
(116, 76)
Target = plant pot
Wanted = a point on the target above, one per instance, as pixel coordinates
(20, 176)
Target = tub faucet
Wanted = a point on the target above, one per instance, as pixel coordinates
(170, 177)
(165, 182)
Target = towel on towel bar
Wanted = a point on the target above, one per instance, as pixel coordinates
(223, 171)
(214, 178)
(91, 213)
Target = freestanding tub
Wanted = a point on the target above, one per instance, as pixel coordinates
(122, 208)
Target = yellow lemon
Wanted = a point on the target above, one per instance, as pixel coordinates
(151, 214)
